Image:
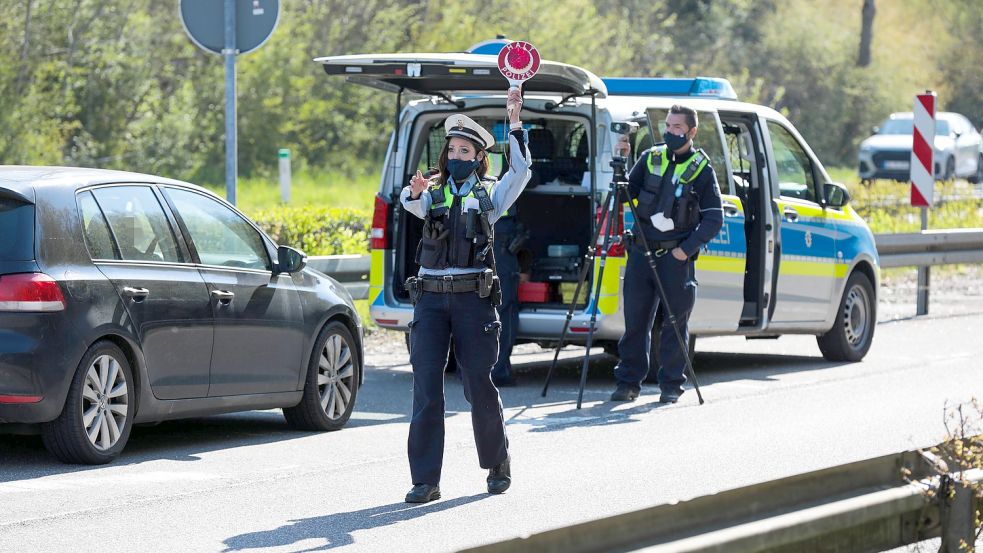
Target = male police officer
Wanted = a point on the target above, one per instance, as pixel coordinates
(678, 204)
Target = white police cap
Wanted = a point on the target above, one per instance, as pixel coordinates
(464, 127)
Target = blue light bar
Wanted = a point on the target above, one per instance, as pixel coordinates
(702, 87)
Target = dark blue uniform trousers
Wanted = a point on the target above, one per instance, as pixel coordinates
(641, 303)
(507, 268)
(473, 324)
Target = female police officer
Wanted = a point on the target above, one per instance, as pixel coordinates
(454, 296)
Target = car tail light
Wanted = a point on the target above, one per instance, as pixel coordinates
(19, 400)
(30, 292)
(380, 225)
(617, 246)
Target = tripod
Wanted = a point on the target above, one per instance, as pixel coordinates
(617, 193)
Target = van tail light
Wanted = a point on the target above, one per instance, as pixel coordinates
(380, 225)
(617, 246)
(30, 292)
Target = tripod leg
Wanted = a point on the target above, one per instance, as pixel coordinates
(581, 282)
(609, 231)
(684, 347)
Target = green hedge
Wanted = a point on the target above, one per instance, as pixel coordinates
(317, 230)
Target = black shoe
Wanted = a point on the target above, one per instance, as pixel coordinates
(625, 392)
(500, 476)
(423, 493)
(670, 396)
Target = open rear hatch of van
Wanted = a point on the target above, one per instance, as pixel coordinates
(444, 74)
(556, 209)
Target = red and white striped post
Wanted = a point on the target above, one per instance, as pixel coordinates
(923, 176)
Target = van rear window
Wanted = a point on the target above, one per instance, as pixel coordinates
(16, 230)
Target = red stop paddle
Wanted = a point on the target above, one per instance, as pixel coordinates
(518, 61)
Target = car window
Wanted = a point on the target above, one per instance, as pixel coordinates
(796, 178)
(707, 138)
(95, 229)
(17, 230)
(138, 223)
(559, 149)
(221, 236)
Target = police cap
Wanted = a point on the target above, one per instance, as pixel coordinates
(463, 126)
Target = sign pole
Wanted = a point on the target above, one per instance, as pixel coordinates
(231, 146)
(921, 304)
(923, 177)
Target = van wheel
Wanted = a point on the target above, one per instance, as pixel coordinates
(95, 423)
(332, 381)
(853, 330)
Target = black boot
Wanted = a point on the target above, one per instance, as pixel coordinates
(500, 476)
(423, 493)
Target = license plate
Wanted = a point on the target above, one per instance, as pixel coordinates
(896, 164)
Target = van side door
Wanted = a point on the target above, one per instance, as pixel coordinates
(808, 262)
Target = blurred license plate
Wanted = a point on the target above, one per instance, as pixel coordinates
(896, 164)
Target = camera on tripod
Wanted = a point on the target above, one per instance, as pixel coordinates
(620, 162)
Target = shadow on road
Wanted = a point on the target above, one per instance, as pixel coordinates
(336, 529)
(24, 457)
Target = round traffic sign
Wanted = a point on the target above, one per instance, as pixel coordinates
(204, 21)
(518, 61)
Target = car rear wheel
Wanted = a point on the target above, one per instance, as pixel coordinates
(333, 376)
(950, 169)
(977, 177)
(853, 330)
(95, 423)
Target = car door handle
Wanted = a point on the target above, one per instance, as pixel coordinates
(791, 215)
(730, 209)
(136, 294)
(223, 296)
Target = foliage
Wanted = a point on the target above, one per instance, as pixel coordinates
(317, 230)
(116, 83)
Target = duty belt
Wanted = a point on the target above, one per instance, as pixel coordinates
(663, 245)
(449, 283)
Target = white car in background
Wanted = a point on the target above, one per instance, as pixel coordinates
(958, 149)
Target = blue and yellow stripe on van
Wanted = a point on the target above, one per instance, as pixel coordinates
(377, 269)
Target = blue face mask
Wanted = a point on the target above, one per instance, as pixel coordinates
(674, 141)
(460, 170)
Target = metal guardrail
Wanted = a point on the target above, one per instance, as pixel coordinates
(916, 249)
(351, 271)
(930, 247)
(863, 506)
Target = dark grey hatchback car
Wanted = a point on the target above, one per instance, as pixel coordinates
(129, 298)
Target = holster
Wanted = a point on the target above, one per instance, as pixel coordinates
(414, 287)
(490, 287)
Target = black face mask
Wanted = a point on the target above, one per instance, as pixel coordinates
(460, 170)
(674, 141)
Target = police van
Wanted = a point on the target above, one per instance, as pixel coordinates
(792, 256)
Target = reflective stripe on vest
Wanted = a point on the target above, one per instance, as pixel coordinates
(441, 196)
(684, 172)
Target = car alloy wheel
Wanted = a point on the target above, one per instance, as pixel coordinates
(104, 402)
(336, 377)
(331, 383)
(97, 417)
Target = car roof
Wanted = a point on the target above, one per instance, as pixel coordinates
(627, 107)
(25, 178)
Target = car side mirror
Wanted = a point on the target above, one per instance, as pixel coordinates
(875, 129)
(290, 260)
(836, 195)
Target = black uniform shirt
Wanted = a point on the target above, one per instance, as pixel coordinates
(708, 192)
